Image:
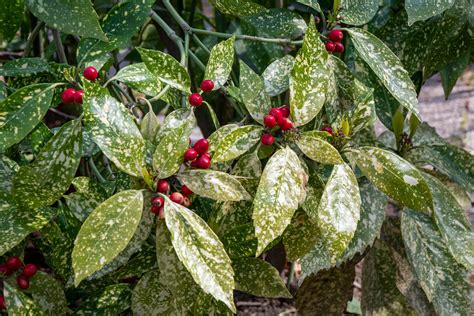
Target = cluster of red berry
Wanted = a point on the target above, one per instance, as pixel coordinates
(195, 99)
(334, 44)
(276, 116)
(158, 202)
(327, 129)
(72, 95)
(12, 265)
(199, 155)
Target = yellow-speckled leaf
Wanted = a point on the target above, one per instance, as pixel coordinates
(106, 232)
(237, 7)
(138, 77)
(276, 76)
(279, 193)
(253, 93)
(48, 293)
(19, 304)
(220, 63)
(314, 145)
(236, 143)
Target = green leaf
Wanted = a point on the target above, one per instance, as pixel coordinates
(276, 76)
(11, 17)
(22, 111)
(201, 252)
(138, 77)
(252, 91)
(18, 304)
(8, 168)
(24, 67)
(258, 277)
(88, 196)
(166, 69)
(219, 134)
(337, 217)
(169, 154)
(311, 3)
(18, 222)
(49, 176)
(358, 12)
(314, 145)
(106, 232)
(387, 67)
(327, 292)
(213, 184)
(220, 63)
(440, 276)
(78, 17)
(381, 296)
(149, 126)
(452, 223)
(423, 10)
(248, 166)
(280, 191)
(452, 71)
(48, 293)
(394, 176)
(309, 78)
(237, 8)
(279, 23)
(300, 236)
(236, 143)
(151, 297)
(113, 300)
(113, 129)
(240, 241)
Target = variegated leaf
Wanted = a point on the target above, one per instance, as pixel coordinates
(277, 22)
(8, 168)
(220, 63)
(201, 252)
(113, 130)
(150, 297)
(276, 76)
(452, 223)
(388, 68)
(309, 78)
(140, 264)
(11, 17)
(78, 18)
(253, 93)
(88, 196)
(219, 134)
(18, 222)
(394, 176)
(213, 184)
(49, 176)
(106, 232)
(440, 276)
(149, 125)
(112, 300)
(300, 236)
(279, 193)
(48, 293)
(358, 12)
(258, 277)
(423, 10)
(22, 111)
(169, 153)
(311, 3)
(205, 304)
(23, 67)
(138, 77)
(248, 166)
(166, 69)
(236, 143)
(240, 241)
(237, 7)
(19, 304)
(314, 145)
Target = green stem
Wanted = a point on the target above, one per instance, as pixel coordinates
(186, 49)
(198, 62)
(170, 33)
(161, 94)
(32, 37)
(291, 274)
(59, 46)
(200, 43)
(95, 170)
(123, 92)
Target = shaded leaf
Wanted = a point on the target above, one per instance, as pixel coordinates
(452, 71)
(280, 23)
(150, 297)
(276, 76)
(358, 12)
(237, 7)
(8, 168)
(240, 241)
(300, 236)
(48, 293)
(220, 62)
(138, 77)
(311, 3)
(11, 16)
(252, 91)
(423, 10)
(18, 304)
(113, 300)
(24, 67)
(314, 145)
(106, 232)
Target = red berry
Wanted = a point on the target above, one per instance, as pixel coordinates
(29, 270)
(22, 282)
(201, 146)
(90, 73)
(195, 164)
(162, 186)
(186, 202)
(285, 111)
(330, 47)
(204, 162)
(195, 99)
(190, 154)
(267, 139)
(177, 197)
(285, 124)
(4, 270)
(68, 95)
(270, 121)
(78, 96)
(336, 35)
(327, 129)
(208, 155)
(14, 263)
(158, 201)
(339, 48)
(155, 209)
(276, 113)
(186, 191)
(2, 303)
(207, 85)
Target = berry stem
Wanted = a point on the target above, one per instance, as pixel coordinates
(96, 171)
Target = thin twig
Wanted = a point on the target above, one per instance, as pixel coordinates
(68, 116)
(59, 46)
(32, 37)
